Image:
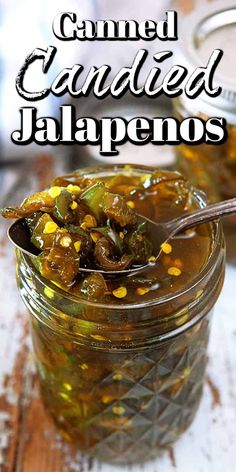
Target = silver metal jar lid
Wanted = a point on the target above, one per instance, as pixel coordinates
(207, 28)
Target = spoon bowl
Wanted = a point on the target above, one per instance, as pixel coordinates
(159, 233)
(19, 235)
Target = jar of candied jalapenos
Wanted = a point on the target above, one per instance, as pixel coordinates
(121, 366)
(210, 167)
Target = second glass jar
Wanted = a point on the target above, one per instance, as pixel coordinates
(211, 167)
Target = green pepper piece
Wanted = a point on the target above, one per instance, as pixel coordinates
(139, 246)
(116, 208)
(60, 264)
(78, 234)
(159, 176)
(33, 220)
(92, 196)
(103, 252)
(94, 286)
(142, 227)
(40, 239)
(62, 210)
(101, 202)
(111, 234)
(41, 201)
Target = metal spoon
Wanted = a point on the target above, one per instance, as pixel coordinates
(19, 235)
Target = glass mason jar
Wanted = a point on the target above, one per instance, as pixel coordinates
(123, 381)
(210, 167)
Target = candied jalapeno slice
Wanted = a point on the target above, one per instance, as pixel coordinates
(33, 220)
(123, 184)
(41, 201)
(92, 196)
(79, 234)
(103, 203)
(159, 176)
(61, 182)
(62, 209)
(44, 232)
(139, 246)
(116, 208)
(103, 252)
(93, 287)
(80, 212)
(110, 233)
(61, 262)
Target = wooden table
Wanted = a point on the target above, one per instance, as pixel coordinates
(28, 439)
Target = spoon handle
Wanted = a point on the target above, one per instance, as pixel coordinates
(204, 215)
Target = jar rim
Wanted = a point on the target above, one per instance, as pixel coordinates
(212, 260)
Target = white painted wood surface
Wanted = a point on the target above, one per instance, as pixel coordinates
(208, 446)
